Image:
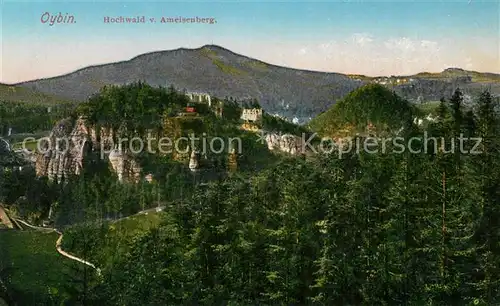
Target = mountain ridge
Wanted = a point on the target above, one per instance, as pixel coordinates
(290, 92)
(214, 46)
(209, 46)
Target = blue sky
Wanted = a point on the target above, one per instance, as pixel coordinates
(369, 37)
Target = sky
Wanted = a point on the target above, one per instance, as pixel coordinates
(359, 37)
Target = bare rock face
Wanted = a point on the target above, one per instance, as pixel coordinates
(4, 218)
(193, 161)
(68, 145)
(284, 143)
(63, 151)
(232, 161)
(117, 161)
(124, 166)
(104, 138)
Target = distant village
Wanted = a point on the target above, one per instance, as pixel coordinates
(393, 80)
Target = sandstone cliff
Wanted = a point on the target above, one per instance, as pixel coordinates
(70, 142)
(287, 143)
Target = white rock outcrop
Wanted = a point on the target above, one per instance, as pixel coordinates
(287, 143)
(64, 151)
(193, 162)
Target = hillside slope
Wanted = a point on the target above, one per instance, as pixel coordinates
(285, 91)
(13, 93)
(211, 69)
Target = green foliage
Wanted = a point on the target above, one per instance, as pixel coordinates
(429, 107)
(364, 229)
(34, 267)
(136, 106)
(231, 109)
(371, 103)
(26, 194)
(276, 124)
(226, 68)
(30, 117)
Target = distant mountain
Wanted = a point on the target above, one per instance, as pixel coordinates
(285, 91)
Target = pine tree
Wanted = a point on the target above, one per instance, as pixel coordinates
(488, 233)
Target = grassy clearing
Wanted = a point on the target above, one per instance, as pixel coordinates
(36, 267)
(226, 68)
(128, 227)
(485, 79)
(30, 145)
(428, 107)
(37, 270)
(109, 240)
(211, 54)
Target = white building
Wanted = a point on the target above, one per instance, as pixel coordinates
(252, 114)
(198, 97)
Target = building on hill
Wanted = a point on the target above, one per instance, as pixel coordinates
(190, 108)
(198, 97)
(252, 114)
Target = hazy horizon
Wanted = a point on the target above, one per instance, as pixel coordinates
(369, 38)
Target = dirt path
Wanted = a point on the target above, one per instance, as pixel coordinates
(58, 244)
(59, 240)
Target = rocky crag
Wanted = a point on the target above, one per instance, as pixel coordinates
(63, 152)
(286, 143)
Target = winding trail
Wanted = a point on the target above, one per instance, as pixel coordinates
(58, 244)
(59, 240)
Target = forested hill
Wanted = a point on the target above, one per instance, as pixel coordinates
(292, 93)
(372, 104)
(366, 229)
(369, 228)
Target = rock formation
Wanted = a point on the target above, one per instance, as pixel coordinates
(285, 143)
(124, 166)
(149, 178)
(219, 109)
(232, 161)
(193, 162)
(117, 162)
(63, 152)
(4, 218)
